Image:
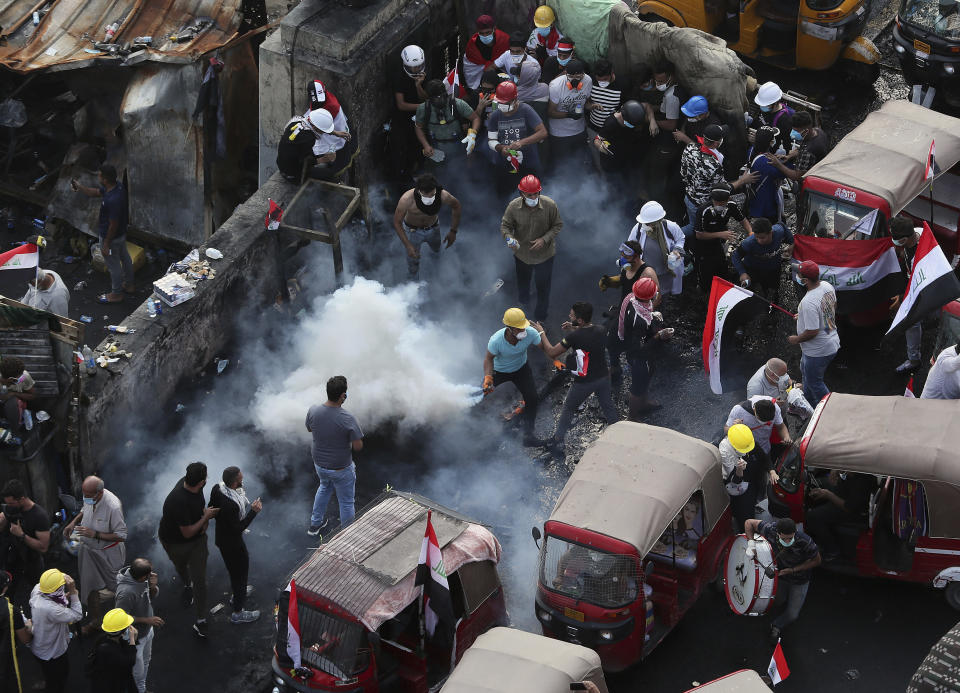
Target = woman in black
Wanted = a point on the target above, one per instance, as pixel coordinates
(632, 267)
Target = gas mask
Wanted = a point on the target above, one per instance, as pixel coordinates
(574, 83)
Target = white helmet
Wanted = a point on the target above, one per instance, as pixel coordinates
(320, 119)
(651, 212)
(413, 59)
(768, 94)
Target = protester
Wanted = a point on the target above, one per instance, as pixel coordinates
(762, 416)
(12, 624)
(844, 499)
(336, 436)
(512, 135)
(638, 326)
(321, 97)
(566, 109)
(816, 331)
(545, 37)
(115, 655)
(513, 61)
(590, 372)
(662, 244)
(440, 126)
(943, 379)
(183, 535)
(101, 530)
(710, 231)
(766, 196)
(485, 46)
(632, 268)
(486, 106)
(18, 396)
(532, 91)
(556, 65)
(812, 144)
(774, 113)
(697, 117)
(771, 380)
(758, 257)
(136, 590)
(606, 95)
(795, 555)
(744, 463)
(905, 237)
(54, 605)
(530, 226)
(417, 219)
(506, 361)
(313, 145)
(406, 83)
(112, 231)
(665, 82)
(24, 536)
(236, 514)
(622, 140)
(48, 292)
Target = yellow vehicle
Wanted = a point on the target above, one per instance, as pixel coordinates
(806, 34)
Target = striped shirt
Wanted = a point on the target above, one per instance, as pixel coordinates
(607, 100)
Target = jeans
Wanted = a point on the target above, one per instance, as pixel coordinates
(418, 237)
(812, 369)
(341, 482)
(142, 666)
(237, 560)
(914, 334)
(190, 560)
(119, 264)
(542, 274)
(691, 217)
(795, 595)
(523, 379)
(579, 392)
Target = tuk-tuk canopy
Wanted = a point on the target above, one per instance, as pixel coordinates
(505, 660)
(634, 479)
(368, 568)
(893, 436)
(743, 681)
(886, 155)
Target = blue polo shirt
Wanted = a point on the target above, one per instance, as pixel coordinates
(113, 205)
(507, 357)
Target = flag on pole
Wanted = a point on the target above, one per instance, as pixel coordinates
(452, 83)
(274, 215)
(908, 392)
(864, 224)
(778, 669)
(863, 273)
(730, 306)
(437, 605)
(293, 626)
(932, 283)
(931, 170)
(25, 256)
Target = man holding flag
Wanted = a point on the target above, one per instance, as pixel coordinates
(816, 331)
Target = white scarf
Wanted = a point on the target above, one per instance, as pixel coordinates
(238, 496)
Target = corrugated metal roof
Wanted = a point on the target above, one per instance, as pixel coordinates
(64, 38)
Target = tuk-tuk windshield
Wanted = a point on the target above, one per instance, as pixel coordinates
(327, 643)
(588, 574)
(931, 15)
(832, 218)
(949, 331)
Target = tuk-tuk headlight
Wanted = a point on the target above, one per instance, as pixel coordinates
(544, 615)
(949, 69)
(898, 48)
(606, 635)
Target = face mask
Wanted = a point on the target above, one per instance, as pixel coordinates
(574, 83)
(543, 31)
(428, 200)
(603, 83)
(899, 242)
(786, 544)
(783, 381)
(662, 87)
(504, 107)
(532, 201)
(623, 262)
(795, 136)
(627, 125)
(766, 109)
(89, 501)
(719, 209)
(517, 57)
(126, 636)
(563, 61)
(521, 335)
(487, 40)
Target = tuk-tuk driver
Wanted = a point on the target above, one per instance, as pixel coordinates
(795, 555)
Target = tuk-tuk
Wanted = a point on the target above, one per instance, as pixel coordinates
(906, 451)
(743, 681)
(513, 661)
(880, 165)
(638, 530)
(949, 332)
(927, 41)
(360, 610)
(811, 35)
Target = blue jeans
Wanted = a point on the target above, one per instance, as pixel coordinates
(341, 482)
(417, 238)
(691, 217)
(795, 595)
(812, 369)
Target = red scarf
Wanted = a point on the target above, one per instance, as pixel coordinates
(500, 45)
(706, 150)
(549, 41)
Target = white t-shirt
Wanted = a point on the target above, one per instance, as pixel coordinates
(943, 380)
(761, 429)
(670, 106)
(327, 143)
(818, 311)
(566, 100)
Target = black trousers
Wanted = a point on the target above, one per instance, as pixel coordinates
(523, 379)
(542, 275)
(55, 672)
(237, 560)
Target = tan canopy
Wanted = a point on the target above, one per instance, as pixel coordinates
(744, 681)
(886, 154)
(635, 478)
(504, 660)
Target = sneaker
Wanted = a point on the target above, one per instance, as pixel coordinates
(908, 365)
(186, 598)
(200, 628)
(244, 616)
(314, 530)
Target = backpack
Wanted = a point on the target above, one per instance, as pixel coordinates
(776, 118)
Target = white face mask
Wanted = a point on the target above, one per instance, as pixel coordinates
(521, 335)
(517, 57)
(428, 200)
(662, 87)
(504, 107)
(603, 83)
(532, 201)
(783, 381)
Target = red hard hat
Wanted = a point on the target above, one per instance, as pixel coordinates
(530, 184)
(645, 288)
(506, 92)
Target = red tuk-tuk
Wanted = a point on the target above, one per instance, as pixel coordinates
(906, 449)
(743, 681)
(360, 610)
(636, 533)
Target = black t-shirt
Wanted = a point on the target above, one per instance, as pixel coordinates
(626, 283)
(296, 144)
(6, 658)
(694, 130)
(34, 520)
(403, 83)
(589, 352)
(708, 220)
(813, 150)
(626, 143)
(553, 69)
(113, 207)
(638, 333)
(181, 509)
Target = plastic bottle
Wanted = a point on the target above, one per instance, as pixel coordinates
(88, 361)
(110, 30)
(513, 243)
(151, 308)
(120, 329)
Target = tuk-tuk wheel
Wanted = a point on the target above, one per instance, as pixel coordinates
(952, 593)
(863, 74)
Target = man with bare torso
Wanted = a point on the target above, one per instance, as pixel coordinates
(417, 219)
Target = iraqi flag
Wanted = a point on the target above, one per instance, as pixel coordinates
(452, 83)
(778, 669)
(26, 256)
(931, 170)
(932, 284)
(730, 307)
(863, 272)
(437, 605)
(293, 626)
(908, 390)
(274, 216)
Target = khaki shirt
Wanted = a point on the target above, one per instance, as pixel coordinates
(527, 223)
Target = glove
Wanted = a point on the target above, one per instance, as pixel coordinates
(470, 140)
(603, 283)
(487, 385)
(559, 365)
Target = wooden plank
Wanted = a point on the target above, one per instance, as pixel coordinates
(310, 234)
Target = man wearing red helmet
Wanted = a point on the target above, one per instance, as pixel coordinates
(530, 226)
(639, 324)
(513, 132)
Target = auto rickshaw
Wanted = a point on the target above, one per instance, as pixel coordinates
(743, 681)
(907, 448)
(949, 332)
(512, 661)
(636, 533)
(927, 41)
(880, 165)
(359, 607)
(807, 34)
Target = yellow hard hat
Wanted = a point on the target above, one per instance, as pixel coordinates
(741, 438)
(514, 317)
(51, 581)
(116, 620)
(543, 17)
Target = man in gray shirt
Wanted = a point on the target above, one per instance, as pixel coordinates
(770, 380)
(336, 435)
(816, 331)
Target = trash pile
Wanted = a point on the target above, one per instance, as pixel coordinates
(180, 282)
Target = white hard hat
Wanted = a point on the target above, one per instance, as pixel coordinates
(320, 119)
(651, 212)
(768, 94)
(412, 56)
